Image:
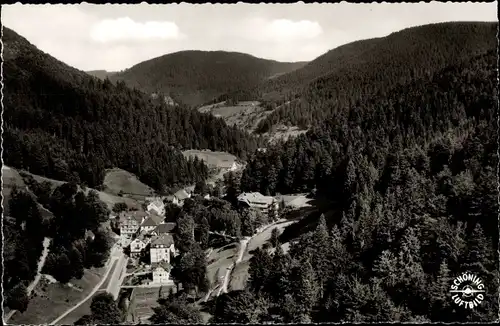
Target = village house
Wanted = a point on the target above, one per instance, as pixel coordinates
(150, 223)
(137, 246)
(161, 273)
(130, 223)
(163, 228)
(179, 197)
(157, 206)
(255, 200)
(162, 248)
(228, 165)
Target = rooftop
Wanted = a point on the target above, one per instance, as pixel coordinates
(165, 228)
(137, 215)
(156, 202)
(152, 220)
(181, 194)
(163, 239)
(255, 198)
(163, 264)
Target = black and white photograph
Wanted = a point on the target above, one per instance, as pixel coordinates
(300, 163)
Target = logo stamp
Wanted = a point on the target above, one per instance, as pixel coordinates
(468, 290)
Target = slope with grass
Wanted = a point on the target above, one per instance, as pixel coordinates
(118, 181)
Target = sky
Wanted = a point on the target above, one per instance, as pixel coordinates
(116, 37)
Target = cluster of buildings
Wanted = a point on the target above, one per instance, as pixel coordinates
(146, 233)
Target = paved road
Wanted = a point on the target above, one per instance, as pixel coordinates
(31, 287)
(116, 254)
(117, 277)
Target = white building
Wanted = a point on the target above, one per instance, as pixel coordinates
(136, 247)
(157, 206)
(161, 273)
(180, 196)
(228, 165)
(162, 248)
(256, 200)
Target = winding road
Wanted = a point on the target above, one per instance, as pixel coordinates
(116, 255)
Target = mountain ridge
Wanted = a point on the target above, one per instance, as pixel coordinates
(194, 77)
(363, 68)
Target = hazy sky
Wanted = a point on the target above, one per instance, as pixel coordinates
(115, 37)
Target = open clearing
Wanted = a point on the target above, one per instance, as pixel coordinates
(211, 158)
(118, 180)
(245, 115)
(50, 300)
(216, 160)
(283, 133)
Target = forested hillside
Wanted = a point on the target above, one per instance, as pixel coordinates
(66, 217)
(412, 180)
(101, 74)
(354, 71)
(62, 123)
(196, 77)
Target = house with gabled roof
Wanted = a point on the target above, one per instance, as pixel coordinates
(157, 206)
(180, 196)
(164, 228)
(257, 201)
(137, 246)
(228, 165)
(162, 248)
(130, 223)
(151, 222)
(161, 273)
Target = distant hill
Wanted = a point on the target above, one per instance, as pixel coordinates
(353, 71)
(101, 74)
(61, 123)
(196, 77)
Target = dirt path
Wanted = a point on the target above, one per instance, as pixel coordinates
(41, 263)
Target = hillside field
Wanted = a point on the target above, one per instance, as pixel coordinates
(118, 180)
(13, 177)
(245, 115)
